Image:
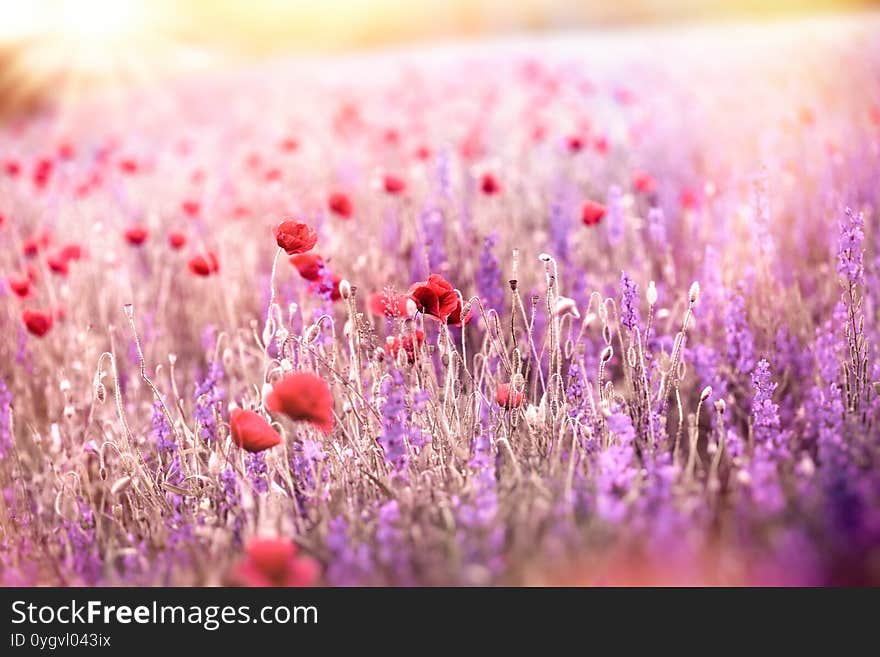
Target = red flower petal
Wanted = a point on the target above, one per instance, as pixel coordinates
(37, 321)
(20, 285)
(191, 208)
(340, 204)
(176, 240)
(251, 431)
(644, 183)
(204, 265)
(436, 298)
(592, 213)
(393, 184)
(490, 185)
(274, 562)
(295, 237)
(303, 396)
(507, 397)
(136, 235)
(309, 265)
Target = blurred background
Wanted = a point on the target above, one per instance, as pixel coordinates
(51, 49)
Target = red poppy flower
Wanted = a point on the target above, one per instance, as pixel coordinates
(71, 251)
(42, 171)
(309, 265)
(136, 235)
(393, 184)
(490, 185)
(204, 265)
(340, 204)
(37, 321)
(303, 396)
(20, 285)
(251, 432)
(35, 243)
(423, 153)
(601, 145)
(272, 175)
(411, 345)
(12, 168)
(191, 208)
(128, 166)
(66, 151)
(592, 213)
(176, 240)
(58, 264)
(391, 305)
(644, 183)
(507, 397)
(274, 562)
(575, 143)
(289, 144)
(436, 298)
(295, 237)
(689, 198)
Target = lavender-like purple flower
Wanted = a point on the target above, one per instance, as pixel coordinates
(394, 429)
(629, 301)
(850, 252)
(740, 342)
(207, 396)
(5, 429)
(161, 432)
(255, 464)
(765, 414)
(488, 276)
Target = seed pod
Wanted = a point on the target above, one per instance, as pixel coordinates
(694, 293)
(269, 329)
(100, 392)
(607, 353)
(707, 392)
(345, 289)
(312, 333)
(651, 293)
(720, 406)
(606, 334)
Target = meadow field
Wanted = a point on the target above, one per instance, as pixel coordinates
(593, 308)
